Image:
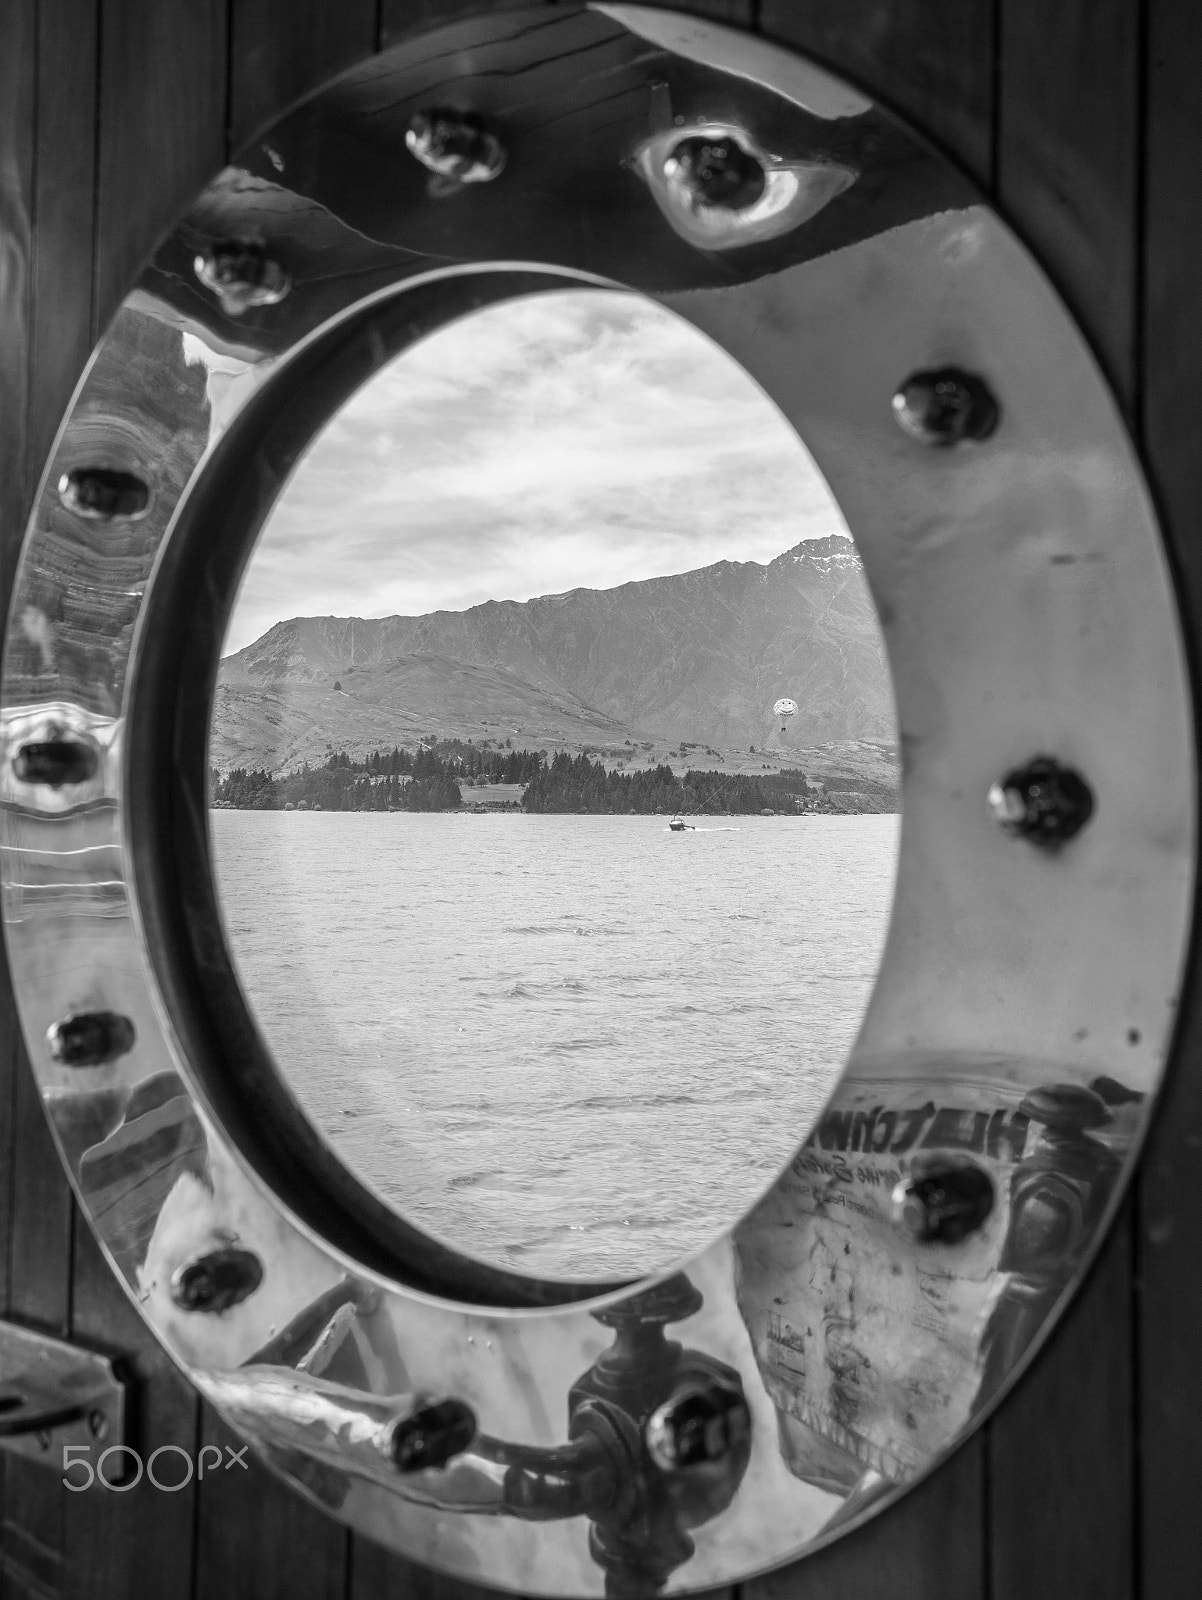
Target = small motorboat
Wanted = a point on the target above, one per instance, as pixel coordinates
(679, 825)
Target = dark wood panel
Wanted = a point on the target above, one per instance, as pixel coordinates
(929, 1546)
(1067, 170)
(1067, 158)
(258, 1537)
(377, 1574)
(68, 41)
(1061, 1459)
(162, 127)
(1169, 1238)
(932, 60)
(136, 1541)
(55, 93)
(276, 57)
(17, 57)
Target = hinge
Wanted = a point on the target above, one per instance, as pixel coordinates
(54, 1394)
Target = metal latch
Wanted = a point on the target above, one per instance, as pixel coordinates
(55, 1394)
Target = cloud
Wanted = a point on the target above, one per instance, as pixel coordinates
(575, 438)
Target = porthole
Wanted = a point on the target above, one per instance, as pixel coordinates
(676, 1424)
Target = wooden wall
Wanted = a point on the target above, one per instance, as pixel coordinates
(1084, 119)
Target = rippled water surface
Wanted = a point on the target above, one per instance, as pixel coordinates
(571, 1044)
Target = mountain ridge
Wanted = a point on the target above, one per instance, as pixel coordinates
(697, 656)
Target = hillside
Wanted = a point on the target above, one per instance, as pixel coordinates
(699, 656)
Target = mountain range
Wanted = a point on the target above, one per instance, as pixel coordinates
(698, 656)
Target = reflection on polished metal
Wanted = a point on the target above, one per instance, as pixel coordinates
(55, 762)
(217, 1281)
(716, 171)
(242, 275)
(430, 1436)
(90, 1039)
(1023, 1012)
(54, 1395)
(103, 493)
(942, 1200)
(698, 1424)
(720, 190)
(945, 407)
(1042, 801)
(455, 144)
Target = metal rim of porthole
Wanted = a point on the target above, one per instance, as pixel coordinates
(549, 1435)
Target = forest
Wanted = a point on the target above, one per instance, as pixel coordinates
(434, 777)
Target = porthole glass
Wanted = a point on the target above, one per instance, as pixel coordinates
(553, 784)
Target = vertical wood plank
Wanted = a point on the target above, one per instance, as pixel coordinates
(932, 60)
(929, 1546)
(1068, 158)
(162, 127)
(377, 1574)
(17, 75)
(68, 45)
(138, 1541)
(277, 58)
(1169, 1237)
(37, 1202)
(257, 1536)
(1061, 1460)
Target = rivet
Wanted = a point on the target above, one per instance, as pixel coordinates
(98, 1425)
(432, 1435)
(716, 170)
(103, 493)
(943, 1199)
(242, 275)
(455, 144)
(1042, 802)
(216, 1281)
(702, 1422)
(945, 406)
(55, 762)
(90, 1038)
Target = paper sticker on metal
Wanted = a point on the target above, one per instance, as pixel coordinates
(677, 1433)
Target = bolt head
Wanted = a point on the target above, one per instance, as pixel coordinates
(242, 275)
(98, 1425)
(1042, 802)
(455, 145)
(217, 1280)
(943, 1199)
(716, 170)
(102, 494)
(90, 1038)
(432, 1435)
(704, 1421)
(56, 761)
(945, 406)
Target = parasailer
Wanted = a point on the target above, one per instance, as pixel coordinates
(784, 709)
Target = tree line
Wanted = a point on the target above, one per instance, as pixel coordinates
(429, 778)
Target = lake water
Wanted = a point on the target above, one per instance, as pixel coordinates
(570, 1044)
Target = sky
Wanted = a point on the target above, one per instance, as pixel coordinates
(579, 438)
